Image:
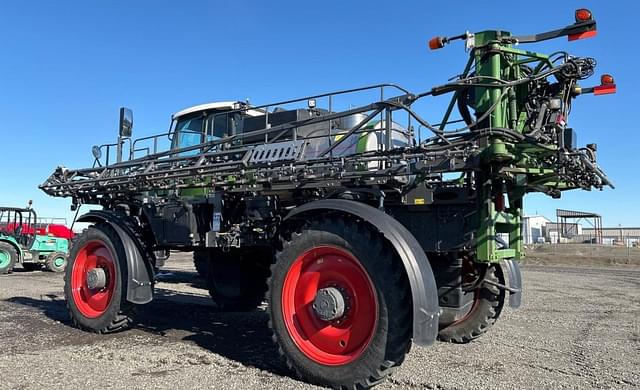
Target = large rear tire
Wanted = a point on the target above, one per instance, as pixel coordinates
(340, 304)
(488, 302)
(96, 297)
(8, 257)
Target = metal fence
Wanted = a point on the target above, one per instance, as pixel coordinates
(626, 247)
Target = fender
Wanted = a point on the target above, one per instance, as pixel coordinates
(140, 275)
(424, 292)
(515, 282)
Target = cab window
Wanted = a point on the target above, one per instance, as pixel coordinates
(218, 126)
(188, 132)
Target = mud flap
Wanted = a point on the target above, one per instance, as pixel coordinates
(139, 280)
(139, 272)
(515, 282)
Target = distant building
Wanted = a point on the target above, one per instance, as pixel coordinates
(568, 231)
(533, 228)
(627, 236)
(539, 229)
(555, 232)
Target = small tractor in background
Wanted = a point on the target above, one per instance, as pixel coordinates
(32, 242)
(362, 234)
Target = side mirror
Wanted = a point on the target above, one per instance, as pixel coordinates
(126, 122)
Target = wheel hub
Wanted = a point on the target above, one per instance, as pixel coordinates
(5, 258)
(96, 279)
(59, 261)
(329, 304)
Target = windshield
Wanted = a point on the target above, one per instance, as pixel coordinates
(204, 127)
(188, 132)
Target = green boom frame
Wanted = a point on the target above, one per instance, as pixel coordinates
(520, 165)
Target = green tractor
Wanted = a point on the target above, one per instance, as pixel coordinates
(25, 240)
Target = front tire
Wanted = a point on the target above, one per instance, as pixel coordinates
(340, 304)
(56, 262)
(488, 302)
(94, 279)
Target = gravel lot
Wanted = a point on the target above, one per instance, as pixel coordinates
(579, 328)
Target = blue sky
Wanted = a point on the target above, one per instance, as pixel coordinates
(67, 66)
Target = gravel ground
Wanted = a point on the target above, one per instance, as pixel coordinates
(579, 328)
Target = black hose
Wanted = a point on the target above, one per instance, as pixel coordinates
(463, 106)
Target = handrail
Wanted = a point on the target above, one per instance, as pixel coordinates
(330, 95)
(336, 93)
(401, 103)
(155, 142)
(211, 146)
(109, 146)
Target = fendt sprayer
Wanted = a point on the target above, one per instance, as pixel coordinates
(31, 241)
(361, 234)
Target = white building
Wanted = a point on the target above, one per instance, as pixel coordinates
(533, 228)
(561, 233)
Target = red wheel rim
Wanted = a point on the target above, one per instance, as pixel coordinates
(339, 341)
(92, 303)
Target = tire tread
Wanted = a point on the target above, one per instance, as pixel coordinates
(483, 317)
(122, 318)
(398, 342)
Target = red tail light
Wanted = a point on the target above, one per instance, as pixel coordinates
(583, 35)
(604, 89)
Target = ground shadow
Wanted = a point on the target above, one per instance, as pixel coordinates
(243, 337)
(50, 305)
(175, 277)
(240, 336)
(20, 270)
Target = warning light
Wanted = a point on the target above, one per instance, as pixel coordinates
(436, 43)
(607, 85)
(606, 79)
(583, 15)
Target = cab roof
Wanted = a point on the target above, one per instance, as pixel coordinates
(206, 106)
